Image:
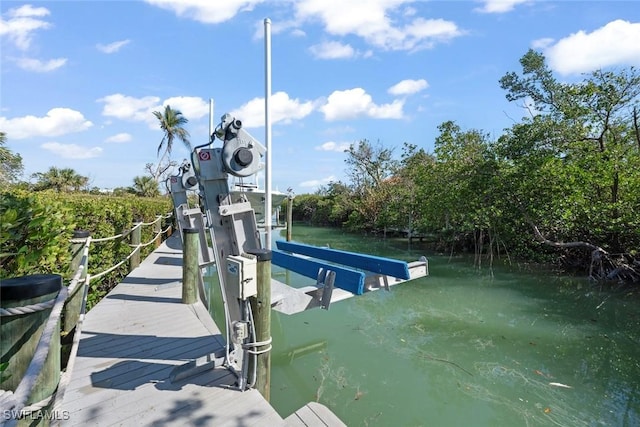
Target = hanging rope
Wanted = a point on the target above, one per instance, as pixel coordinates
(158, 218)
(109, 270)
(27, 309)
(15, 401)
(7, 399)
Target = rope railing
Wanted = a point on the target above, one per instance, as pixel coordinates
(159, 218)
(158, 234)
(83, 261)
(25, 309)
(110, 269)
(134, 251)
(15, 402)
(106, 239)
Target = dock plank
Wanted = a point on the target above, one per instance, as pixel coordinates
(313, 414)
(132, 342)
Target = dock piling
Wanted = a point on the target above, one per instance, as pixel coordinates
(136, 238)
(21, 333)
(261, 307)
(289, 217)
(74, 301)
(157, 230)
(190, 265)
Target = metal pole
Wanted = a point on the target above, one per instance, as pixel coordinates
(267, 130)
(211, 125)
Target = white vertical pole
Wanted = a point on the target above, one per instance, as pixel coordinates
(267, 132)
(211, 125)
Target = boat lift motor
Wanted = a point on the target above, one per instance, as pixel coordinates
(182, 182)
(234, 235)
(187, 217)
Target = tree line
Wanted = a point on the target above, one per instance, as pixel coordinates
(562, 184)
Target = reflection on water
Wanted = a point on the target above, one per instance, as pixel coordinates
(462, 347)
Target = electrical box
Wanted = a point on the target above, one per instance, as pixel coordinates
(242, 275)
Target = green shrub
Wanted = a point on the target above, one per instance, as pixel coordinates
(36, 228)
(34, 235)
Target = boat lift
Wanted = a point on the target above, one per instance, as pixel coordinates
(227, 219)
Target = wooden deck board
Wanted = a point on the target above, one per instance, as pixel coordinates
(313, 414)
(130, 345)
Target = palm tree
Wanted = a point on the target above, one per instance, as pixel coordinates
(145, 186)
(65, 179)
(172, 124)
(72, 180)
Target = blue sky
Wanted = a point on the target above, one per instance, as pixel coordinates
(80, 79)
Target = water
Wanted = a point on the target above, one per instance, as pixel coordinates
(462, 347)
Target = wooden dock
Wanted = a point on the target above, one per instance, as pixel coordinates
(137, 337)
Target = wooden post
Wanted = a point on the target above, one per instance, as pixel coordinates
(74, 301)
(190, 265)
(136, 236)
(289, 217)
(157, 228)
(21, 333)
(261, 308)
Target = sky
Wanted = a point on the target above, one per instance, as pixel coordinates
(79, 80)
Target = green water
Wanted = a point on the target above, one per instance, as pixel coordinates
(462, 347)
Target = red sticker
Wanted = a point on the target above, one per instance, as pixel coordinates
(204, 156)
(174, 179)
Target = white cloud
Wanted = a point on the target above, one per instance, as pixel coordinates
(38, 66)
(340, 130)
(206, 11)
(298, 33)
(500, 6)
(27, 11)
(332, 50)
(112, 47)
(408, 87)
(542, 43)
(614, 44)
(277, 27)
(372, 21)
(22, 22)
(58, 121)
(314, 183)
(119, 138)
(191, 107)
(334, 146)
(129, 108)
(283, 109)
(72, 151)
(409, 11)
(352, 103)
